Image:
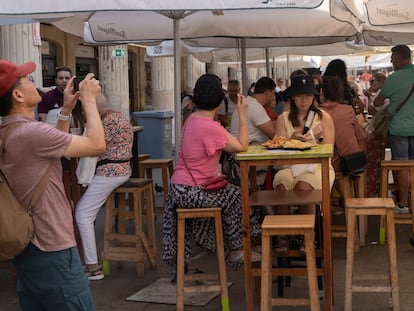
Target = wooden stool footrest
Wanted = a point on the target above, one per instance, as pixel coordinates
(157, 162)
(290, 302)
(289, 197)
(200, 277)
(202, 288)
(397, 164)
(371, 289)
(136, 182)
(366, 276)
(368, 203)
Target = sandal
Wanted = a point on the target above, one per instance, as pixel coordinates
(281, 245)
(96, 274)
(302, 248)
(239, 257)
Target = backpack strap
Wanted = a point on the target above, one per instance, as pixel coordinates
(41, 186)
(8, 133)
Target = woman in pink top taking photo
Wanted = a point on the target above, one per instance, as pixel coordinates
(202, 141)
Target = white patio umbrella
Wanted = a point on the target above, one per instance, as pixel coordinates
(166, 48)
(385, 22)
(260, 23)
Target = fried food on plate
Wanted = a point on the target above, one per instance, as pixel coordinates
(283, 142)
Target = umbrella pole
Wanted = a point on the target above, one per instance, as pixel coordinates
(177, 84)
(267, 62)
(244, 66)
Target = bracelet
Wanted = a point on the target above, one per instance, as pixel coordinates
(62, 117)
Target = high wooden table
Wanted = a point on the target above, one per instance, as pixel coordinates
(259, 156)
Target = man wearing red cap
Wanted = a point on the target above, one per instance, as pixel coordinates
(49, 271)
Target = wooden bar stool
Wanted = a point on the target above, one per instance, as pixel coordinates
(367, 207)
(138, 246)
(143, 157)
(286, 198)
(396, 165)
(353, 187)
(167, 169)
(182, 215)
(275, 225)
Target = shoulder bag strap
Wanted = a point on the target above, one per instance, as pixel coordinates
(405, 100)
(8, 133)
(41, 186)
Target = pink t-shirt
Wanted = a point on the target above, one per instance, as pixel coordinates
(202, 140)
(28, 152)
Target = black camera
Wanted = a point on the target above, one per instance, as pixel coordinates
(76, 82)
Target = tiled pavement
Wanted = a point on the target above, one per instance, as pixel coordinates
(110, 293)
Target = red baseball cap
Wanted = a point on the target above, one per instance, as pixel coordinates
(10, 73)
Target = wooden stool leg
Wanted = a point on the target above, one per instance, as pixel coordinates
(149, 172)
(392, 255)
(171, 169)
(149, 241)
(138, 233)
(180, 263)
(121, 212)
(350, 241)
(107, 231)
(108, 218)
(362, 225)
(266, 286)
(164, 182)
(412, 194)
(150, 216)
(311, 267)
(225, 305)
(360, 190)
(141, 172)
(383, 194)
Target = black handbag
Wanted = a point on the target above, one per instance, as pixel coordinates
(354, 163)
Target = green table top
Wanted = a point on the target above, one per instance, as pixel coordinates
(261, 153)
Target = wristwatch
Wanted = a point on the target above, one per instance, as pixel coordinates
(62, 117)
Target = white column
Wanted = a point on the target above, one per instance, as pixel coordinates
(194, 69)
(261, 72)
(20, 44)
(213, 65)
(162, 81)
(113, 76)
(252, 75)
(223, 74)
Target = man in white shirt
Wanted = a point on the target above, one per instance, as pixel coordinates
(228, 105)
(261, 128)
